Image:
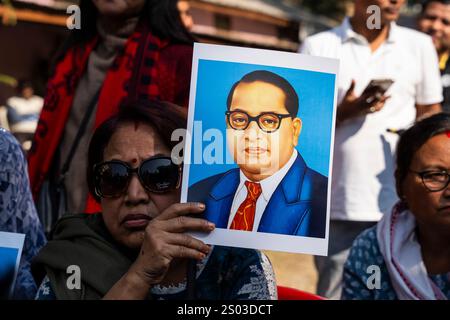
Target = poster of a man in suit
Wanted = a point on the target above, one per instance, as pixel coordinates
(277, 185)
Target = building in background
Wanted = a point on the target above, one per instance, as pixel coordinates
(32, 30)
(266, 24)
(30, 33)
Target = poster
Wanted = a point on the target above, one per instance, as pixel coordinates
(259, 147)
(11, 245)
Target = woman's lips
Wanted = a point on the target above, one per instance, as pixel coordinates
(136, 220)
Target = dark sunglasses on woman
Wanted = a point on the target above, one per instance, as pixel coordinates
(157, 174)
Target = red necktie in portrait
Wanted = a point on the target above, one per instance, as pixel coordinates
(245, 215)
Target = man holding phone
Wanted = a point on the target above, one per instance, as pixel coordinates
(371, 46)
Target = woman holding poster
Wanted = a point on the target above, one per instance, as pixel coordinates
(139, 246)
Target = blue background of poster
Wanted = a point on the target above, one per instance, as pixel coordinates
(8, 257)
(316, 97)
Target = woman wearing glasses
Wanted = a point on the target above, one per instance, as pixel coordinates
(407, 255)
(137, 247)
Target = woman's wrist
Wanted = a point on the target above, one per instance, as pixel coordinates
(137, 280)
(130, 287)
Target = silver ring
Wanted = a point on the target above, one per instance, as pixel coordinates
(370, 100)
(372, 109)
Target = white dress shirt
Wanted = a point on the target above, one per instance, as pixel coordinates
(268, 186)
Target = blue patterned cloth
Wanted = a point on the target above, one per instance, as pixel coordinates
(226, 274)
(364, 253)
(17, 210)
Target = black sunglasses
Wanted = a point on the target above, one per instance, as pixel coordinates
(158, 175)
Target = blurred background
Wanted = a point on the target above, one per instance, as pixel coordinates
(31, 31)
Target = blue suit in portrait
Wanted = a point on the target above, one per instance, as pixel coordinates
(297, 207)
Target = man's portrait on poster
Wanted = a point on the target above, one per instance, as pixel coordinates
(258, 147)
(273, 190)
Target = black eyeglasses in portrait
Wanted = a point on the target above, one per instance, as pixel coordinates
(267, 121)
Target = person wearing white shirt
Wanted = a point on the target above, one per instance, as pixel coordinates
(363, 186)
(23, 113)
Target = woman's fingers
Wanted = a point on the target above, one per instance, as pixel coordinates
(185, 252)
(172, 232)
(181, 209)
(166, 233)
(185, 240)
(184, 224)
(164, 247)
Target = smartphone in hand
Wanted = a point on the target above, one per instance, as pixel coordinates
(377, 88)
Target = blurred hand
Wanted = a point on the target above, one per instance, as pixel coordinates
(165, 240)
(369, 101)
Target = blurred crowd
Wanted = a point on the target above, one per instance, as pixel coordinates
(125, 79)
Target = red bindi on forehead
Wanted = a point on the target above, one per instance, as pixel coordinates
(448, 134)
(134, 160)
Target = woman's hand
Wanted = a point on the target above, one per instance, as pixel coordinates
(164, 240)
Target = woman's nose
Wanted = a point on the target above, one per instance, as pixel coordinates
(136, 193)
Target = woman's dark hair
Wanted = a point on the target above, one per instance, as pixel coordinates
(163, 117)
(161, 16)
(414, 138)
(165, 21)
